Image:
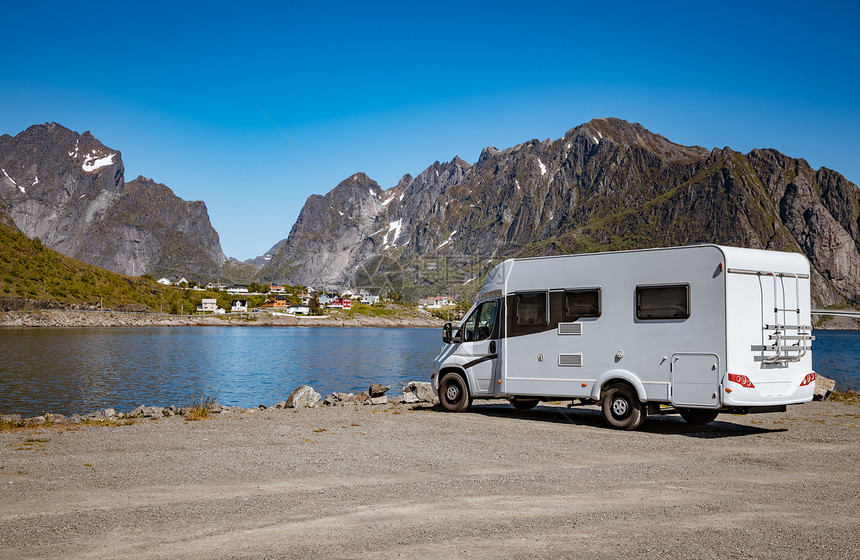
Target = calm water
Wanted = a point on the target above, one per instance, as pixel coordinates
(80, 370)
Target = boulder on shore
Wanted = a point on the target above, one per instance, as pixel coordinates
(303, 397)
(377, 390)
(419, 391)
(823, 387)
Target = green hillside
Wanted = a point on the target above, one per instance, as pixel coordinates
(34, 276)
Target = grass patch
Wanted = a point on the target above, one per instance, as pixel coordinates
(848, 396)
(199, 408)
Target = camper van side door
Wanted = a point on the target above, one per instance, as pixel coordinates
(480, 345)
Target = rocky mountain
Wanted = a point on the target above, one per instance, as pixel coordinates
(267, 256)
(606, 185)
(68, 190)
(6, 218)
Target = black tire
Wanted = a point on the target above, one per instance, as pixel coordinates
(525, 404)
(698, 415)
(622, 409)
(454, 393)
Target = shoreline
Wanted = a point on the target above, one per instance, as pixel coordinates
(72, 318)
(59, 318)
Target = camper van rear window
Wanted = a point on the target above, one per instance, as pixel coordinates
(531, 308)
(663, 302)
(581, 303)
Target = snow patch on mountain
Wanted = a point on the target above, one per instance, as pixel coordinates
(91, 162)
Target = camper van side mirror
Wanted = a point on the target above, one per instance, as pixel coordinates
(448, 334)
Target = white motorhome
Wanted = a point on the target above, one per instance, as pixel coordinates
(700, 330)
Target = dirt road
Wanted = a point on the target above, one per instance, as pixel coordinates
(384, 482)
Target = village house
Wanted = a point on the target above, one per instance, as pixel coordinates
(298, 310)
(275, 289)
(208, 306)
(338, 303)
(239, 306)
(361, 294)
(275, 303)
(435, 302)
(237, 289)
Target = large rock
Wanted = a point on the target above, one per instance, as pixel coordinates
(377, 390)
(823, 387)
(303, 397)
(419, 391)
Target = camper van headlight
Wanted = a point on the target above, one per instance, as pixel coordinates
(741, 380)
(810, 377)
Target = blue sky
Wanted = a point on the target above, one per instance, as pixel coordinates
(254, 107)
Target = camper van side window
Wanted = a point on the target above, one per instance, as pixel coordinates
(663, 302)
(581, 303)
(531, 308)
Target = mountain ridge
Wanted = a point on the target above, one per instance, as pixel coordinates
(607, 184)
(69, 190)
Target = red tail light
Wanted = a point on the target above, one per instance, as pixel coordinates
(810, 377)
(741, 380)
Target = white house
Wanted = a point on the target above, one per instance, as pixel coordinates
(208, 305)
(239, 306)
(237, 289)
(298, 310)
(165, 281)
(435, 302)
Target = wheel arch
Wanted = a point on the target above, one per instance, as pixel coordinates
(615, 376)
(453, 369)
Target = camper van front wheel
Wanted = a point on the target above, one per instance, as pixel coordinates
(622, 409)
(454, 393)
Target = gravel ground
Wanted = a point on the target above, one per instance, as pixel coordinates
(388, 482)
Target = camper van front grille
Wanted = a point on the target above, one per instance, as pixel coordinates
(570, 328)
(570, 360)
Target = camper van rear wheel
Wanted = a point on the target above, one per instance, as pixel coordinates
(621, 408)
(698, 415)
(525, 404)
(454, 393)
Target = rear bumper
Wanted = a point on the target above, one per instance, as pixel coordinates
(758, 396)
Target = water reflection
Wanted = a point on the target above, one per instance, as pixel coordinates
(80, 370)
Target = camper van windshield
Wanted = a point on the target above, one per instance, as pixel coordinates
(479, 325)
